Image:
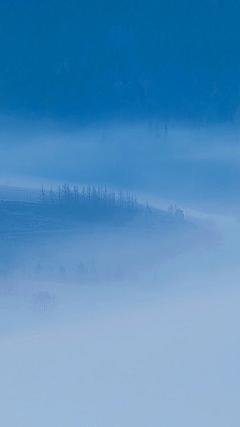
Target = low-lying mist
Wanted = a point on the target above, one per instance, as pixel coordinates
(176, 162)
(119, 306)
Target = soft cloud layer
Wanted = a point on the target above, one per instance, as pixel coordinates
(171, 362)
(179, 162)
(160, 351)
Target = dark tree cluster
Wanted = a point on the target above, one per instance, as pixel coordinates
(98, 203)
(90, 196)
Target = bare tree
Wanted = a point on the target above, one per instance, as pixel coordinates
(89, 193)
(119, 273)
(66, 192)
(84, 196)
(99, 193)
(51, 195)
(59, 194)
(43, 195)
(81, 269)
(62, 270)
(120, 199)
(76, 194)
(43, 302)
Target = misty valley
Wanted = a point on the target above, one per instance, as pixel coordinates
(85, 236)
(119, 304)
(119, 213)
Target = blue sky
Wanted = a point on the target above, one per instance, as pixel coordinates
(90, 59)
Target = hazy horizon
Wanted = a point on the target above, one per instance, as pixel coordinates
(119, 213)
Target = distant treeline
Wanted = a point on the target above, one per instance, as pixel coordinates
(89, 196)
(92, 202)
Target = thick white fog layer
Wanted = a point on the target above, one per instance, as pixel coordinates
(115, 309)
(171, 362)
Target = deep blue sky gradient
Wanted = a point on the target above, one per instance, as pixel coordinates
(96, 59)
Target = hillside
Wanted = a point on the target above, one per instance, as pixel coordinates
(88, 235)
(72, 208)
